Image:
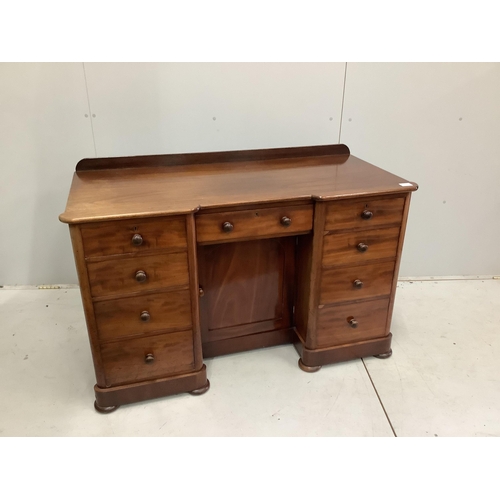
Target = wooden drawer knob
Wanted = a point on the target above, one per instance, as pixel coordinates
(362, 247)
(145, 316)
(357, 284)
(352, 322)
(286, 221)
(149, 359)
(137, 240)
(141, 276)
(366, 214)
(227, 227)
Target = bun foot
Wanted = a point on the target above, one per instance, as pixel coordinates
(308, 369)
(105, 409)
(201, 390)
(384, 355)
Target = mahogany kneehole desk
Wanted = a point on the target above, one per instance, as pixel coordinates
(186, 256)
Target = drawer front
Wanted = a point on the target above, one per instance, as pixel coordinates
(356, 282)
(120, 276)
(335, 323)
(147, 358)
(143, 314)
(228, 226)
(360, 246)
(132, 236)
(363, 213)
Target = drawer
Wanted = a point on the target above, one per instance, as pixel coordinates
(356, 282)
(335, 323)
(228, 226)
(143, 314)
(121, 276)
(359, 247)
(132, 236)
(147, 358)
(363, 213)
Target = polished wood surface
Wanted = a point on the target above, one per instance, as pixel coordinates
(112, 238)
(194, 287)
(187, 256)
(310, 334)
(364, 213)
(88, 309)
(122, 318)
(334, 326)
(150, 389)
(111, 278)
(345, 352)
(251, 224)
(402, 233)
(356, 282)
(247, 287)
(248, 342)
(344, 248)
(126, 361)
(211, 157)
(134, 191)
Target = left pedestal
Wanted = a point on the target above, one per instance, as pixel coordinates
(139, 287)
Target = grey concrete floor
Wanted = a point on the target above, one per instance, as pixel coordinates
(442, 380)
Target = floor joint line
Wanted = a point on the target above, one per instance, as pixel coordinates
(379, 399)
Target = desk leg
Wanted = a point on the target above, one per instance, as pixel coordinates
(308, 369)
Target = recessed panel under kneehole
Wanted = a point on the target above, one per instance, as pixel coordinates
(246, 289)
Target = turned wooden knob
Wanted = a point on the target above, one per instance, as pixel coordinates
(201, 292)
(141, 276)
(366, 214)
(362, 247)
(352, 323)
(357, 284)
(286, 221)
(227, 227)
(137, 240)
(145, 316)
(149, 359)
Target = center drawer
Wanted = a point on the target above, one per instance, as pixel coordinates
(258, 223)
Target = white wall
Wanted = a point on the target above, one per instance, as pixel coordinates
(43, 133)
(403, 117)
(147, 108)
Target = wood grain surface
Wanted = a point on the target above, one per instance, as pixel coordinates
(121, 318)
(124, 361)
(340, 249)
(157, 188)
(338, 285)
(334, 328)
(248, 287)
(251, 224)
(112, 238)
(117, 277)
(348, 214)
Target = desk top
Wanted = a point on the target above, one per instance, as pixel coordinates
(150, 186)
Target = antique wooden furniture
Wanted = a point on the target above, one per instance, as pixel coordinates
(187, 256)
